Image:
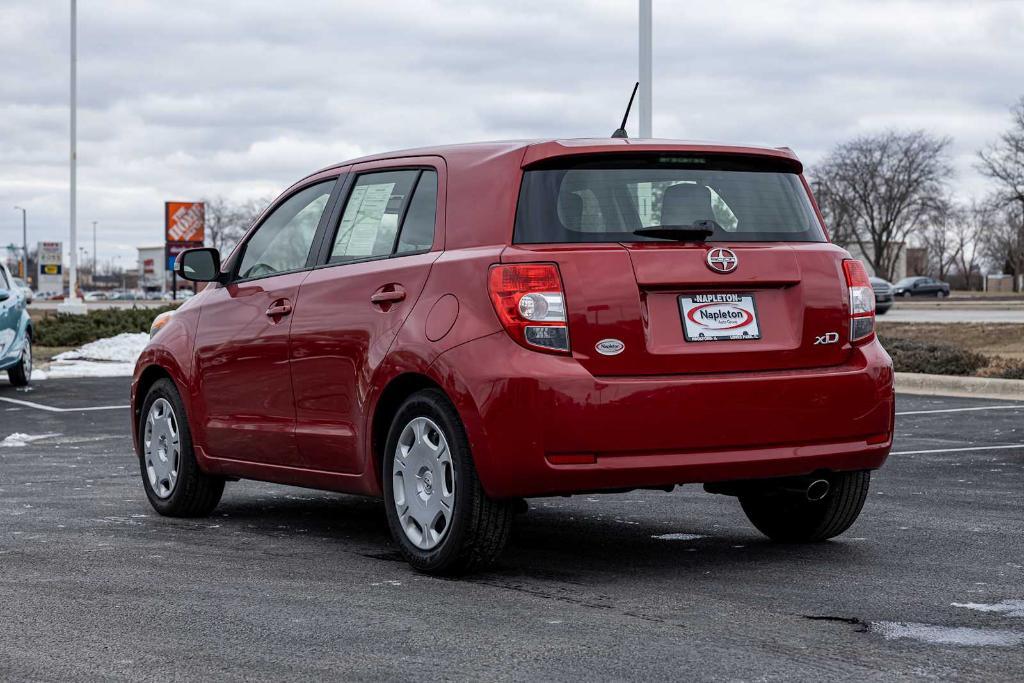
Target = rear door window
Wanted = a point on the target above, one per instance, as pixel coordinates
(390, 212)
(605, 200)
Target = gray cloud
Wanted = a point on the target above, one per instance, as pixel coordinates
(241, 97)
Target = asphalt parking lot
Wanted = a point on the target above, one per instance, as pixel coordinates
(289, 583)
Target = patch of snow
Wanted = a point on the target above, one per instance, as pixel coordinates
(1011, 608)
(947, 635)
(111, 357)
(678, 537)
(123, 348)
(85, 368)
(17, 439)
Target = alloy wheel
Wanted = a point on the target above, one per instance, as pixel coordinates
(26, 358)
(162, 448)
(423, 481)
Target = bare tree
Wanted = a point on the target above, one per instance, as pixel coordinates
(879, 190)
(969, 226)
(1003, 162)
(1003, 237)
(940, 241)
(220, 223)
(227, 221)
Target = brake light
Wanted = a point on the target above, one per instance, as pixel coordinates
(530, 303)
(862, 300)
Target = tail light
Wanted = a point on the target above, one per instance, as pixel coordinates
(530, 303)
(862, 300)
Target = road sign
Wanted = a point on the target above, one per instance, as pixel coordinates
(51, 268)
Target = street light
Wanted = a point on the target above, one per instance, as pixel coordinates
(644, 44)
(72, 304)
(24, 243)
(94, 250)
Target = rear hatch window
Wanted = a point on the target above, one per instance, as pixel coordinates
(662, 302)
(606, 199)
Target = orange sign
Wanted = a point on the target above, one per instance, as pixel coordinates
(185, 221)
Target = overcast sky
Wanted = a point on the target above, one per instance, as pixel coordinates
(186, 99)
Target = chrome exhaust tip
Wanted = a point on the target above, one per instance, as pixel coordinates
(817, 490)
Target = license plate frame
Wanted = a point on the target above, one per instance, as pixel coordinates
(719, 316)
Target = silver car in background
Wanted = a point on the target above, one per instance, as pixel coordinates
(883, 295)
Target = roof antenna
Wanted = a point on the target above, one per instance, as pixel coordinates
(620, 132)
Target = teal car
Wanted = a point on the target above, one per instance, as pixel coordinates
(15, 331)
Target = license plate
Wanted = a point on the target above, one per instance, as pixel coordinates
(719, 317)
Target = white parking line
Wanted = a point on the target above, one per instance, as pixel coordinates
(955, 450)
(960, 410)
(51, 409)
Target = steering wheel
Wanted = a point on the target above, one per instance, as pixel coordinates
(259, 269)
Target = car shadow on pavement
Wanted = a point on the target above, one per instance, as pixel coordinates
(545, 544)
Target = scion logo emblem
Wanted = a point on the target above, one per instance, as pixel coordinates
(722, 260)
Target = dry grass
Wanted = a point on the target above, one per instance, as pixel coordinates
(1003, 343)
(992, 339)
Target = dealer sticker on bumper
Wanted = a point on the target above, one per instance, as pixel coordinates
(719, 317)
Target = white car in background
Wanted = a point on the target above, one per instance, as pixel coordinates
(25, 289)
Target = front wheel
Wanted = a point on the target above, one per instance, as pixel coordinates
(790, 518)
(174, 484)
(437, 511)
(941, 294)
(21, 374)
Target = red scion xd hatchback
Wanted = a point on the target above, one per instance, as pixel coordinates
(457, 328)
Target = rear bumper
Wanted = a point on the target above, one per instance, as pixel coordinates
(542, 425)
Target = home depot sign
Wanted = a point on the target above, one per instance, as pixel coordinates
(185, 224)
(185, 221)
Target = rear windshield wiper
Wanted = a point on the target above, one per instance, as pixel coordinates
(700, 230)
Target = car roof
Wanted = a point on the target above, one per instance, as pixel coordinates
(535, 151)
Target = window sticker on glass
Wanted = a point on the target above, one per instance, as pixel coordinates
(364, 220)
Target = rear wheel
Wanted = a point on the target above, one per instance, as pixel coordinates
(21, 374)
(174, 484)
(791, 518)
(941, 294)
(437, 511)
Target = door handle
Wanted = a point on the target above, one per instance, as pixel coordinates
(279, 309)
(381, 297)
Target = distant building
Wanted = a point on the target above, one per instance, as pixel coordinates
(152, 270)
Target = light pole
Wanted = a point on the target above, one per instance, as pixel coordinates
(24, 243)
(645, 67)
(94, 251)
(72, 304)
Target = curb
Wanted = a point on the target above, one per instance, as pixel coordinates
(948, 385)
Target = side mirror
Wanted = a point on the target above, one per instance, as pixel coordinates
(5, 294)
(198, 265)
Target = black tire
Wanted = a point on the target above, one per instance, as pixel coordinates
(791, 518)
(20, 375)
(195, 493)
(479, 527)
(881, 310)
